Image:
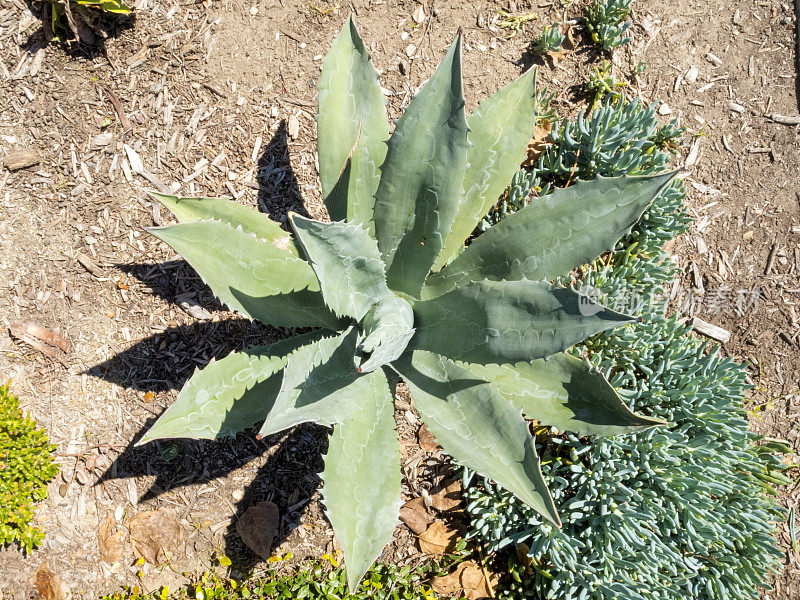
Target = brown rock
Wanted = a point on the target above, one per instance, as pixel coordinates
(257, 527)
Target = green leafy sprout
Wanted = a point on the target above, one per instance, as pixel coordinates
(602, 83)
(26, 467)
(317, 580)
(478, 334)
(550, 40)
(605, 21)
(75, 16)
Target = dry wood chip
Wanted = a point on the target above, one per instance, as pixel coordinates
(293, 127)
(45, 341)
(21, 159)
(89, 264)
(784, 119)
(713, 331)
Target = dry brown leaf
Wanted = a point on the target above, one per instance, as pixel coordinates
(426, 440)
(448, 497)
(538, 143)
(557, 56)
(414, 514)
(257, 527)
(47, 586)
(439, 538)
(468, 578)
(523, 552)
(110, 540)
(569, 37)
(154, 531)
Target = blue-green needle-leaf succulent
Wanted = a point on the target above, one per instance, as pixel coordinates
(477, 334)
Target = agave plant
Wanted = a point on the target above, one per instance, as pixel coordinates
(477, 333)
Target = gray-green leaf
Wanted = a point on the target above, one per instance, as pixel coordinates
(477, 427)
(351, 107)
(499, 132)
(508, 321)
(187, 210)
(554, 234)
(361, 479)
(227, 395)
(320, 384)
(387, 328)
(347, 262)
(251, 275)
(422, 176)
(565, 392)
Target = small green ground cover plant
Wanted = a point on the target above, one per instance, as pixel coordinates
(80, 17)
(550, 40)
(312, 581)
(605, 21)
(478, 333)
(26, 467)
(670, 513)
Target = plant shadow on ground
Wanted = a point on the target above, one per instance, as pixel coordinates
(588, 54)
(104, 25)
(166, 360)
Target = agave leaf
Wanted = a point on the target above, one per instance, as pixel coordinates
(276, 287)
(477, 426)
(508, 321)
(320, 384)
(227, 395)
(554, 234)
(187, 210)
(361, 488)
(499, 131)
(421, 178)
(347, 262)
(388, 327)
(565, 392)
(351, 108)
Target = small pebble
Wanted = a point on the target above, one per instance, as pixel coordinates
(664, 109)
(691, 74)
(237, 495)
(735, 107)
